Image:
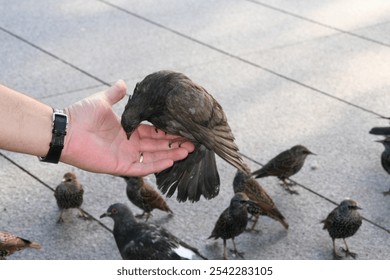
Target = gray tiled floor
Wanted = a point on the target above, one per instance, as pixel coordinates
(285, 72)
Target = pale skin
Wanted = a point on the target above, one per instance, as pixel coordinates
(95, 140)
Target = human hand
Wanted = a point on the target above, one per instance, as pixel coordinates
(96, 141)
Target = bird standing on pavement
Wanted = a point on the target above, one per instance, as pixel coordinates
(243, 182)
(10, 243)
(385, 158)
(144, 196)
(380, 131)
(175, 104)
(145, 241)
(232, 222)
(343, 222)
(285, 165)
(69, 194)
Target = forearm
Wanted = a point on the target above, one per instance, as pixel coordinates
(25, 123)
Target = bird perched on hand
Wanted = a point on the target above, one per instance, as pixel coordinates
(343, 222)
(285, 165)
(142, 195)
(243, 182)
(175, 104)
(10, 243)
(385, 157)
(69, 194)
(145, 241)
(232, 222)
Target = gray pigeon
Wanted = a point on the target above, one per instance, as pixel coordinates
(175, 104)
(137, 240)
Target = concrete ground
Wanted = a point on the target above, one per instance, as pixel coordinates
(286, 72)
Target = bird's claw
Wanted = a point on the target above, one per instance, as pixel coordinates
(348, 253)
(337, 256)
(386, 193)
(287, 187)
(179, 140)
(240, 254)
(141, 216)
(252, 230)
(83, 215)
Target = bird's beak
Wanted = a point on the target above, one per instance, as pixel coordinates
(359, 208)
(314, 154)
(107, 214)
(380, 141)
(129, 132)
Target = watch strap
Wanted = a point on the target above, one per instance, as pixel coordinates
(60, 122)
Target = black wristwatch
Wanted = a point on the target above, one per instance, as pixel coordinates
(60, 122)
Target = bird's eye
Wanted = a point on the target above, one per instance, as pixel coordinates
(114, 211)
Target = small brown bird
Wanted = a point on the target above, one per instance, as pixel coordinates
(175, 104)
(265, 206)
(343, 222)
(285, 165)
(144, 196)
(69, 194)
(385, 158)
(10, 243)
(232, 222)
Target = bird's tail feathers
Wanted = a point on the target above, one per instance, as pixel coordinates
(259, 173)
(31, 244)
(193, 249)
(192, 178)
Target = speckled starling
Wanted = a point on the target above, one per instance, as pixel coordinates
(10, 243)
(69, 194)
(232, 222)
(243, 182)
(285, 165)
(137, 240)
(175, 104)
(144, 196)
(385, 158)
(343, 222)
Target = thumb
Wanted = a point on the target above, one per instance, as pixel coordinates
(116, 92)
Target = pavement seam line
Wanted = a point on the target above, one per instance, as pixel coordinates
(50, 188)
(318, 194)
(54, 56)
(215, 49)
(318, 23)
(237, 57)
